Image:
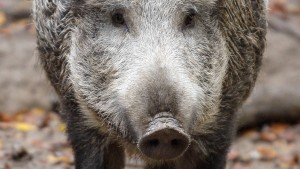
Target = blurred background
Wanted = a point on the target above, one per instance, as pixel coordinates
(32, 136)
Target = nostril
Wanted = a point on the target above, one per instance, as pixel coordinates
(164, 144)
(175, 142)
(153, 143)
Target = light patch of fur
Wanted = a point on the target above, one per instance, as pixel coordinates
(94, 119)
(208, 119)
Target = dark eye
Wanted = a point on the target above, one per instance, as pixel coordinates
(118, 19)
(189, 20)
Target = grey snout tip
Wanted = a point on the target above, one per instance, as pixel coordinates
(164, 138)
(164, 144)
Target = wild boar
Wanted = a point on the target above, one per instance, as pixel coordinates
(158, 78)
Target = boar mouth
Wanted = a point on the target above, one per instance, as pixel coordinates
(164, 138)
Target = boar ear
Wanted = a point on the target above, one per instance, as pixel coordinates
(53, 20)
(243, 25)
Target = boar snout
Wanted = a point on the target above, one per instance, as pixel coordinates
(164, 139)
(164, 144)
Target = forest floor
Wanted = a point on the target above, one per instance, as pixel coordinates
(36, 139)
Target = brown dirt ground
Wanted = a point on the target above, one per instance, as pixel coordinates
(36, 139)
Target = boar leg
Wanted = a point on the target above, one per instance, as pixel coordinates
(160, 166)
(193, 159)
(93, 150)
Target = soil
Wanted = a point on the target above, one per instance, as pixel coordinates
(36, 139)
(22, 81)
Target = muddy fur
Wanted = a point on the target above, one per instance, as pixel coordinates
(113, 79)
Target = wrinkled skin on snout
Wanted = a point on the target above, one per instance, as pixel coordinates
(153, 77)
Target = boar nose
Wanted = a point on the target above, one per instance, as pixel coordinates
(164, 144)
(164, 138)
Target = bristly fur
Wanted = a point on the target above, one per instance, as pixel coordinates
(113, 79)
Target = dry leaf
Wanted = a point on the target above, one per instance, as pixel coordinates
(61, 127)
(250, 134)
(25, 127)
(289, 136)
(278, 6)
(232, 155)
(19, 116)
(5, 125)
(61, 159)
(267, 153)
(268, 136)
(36, 116)
(1, 144)
(279, 128)
(2, 18)
(5, 117)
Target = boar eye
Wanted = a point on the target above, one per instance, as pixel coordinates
(189, 20)
(118, 19)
